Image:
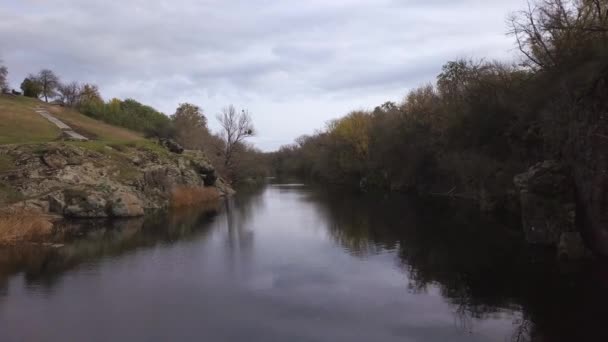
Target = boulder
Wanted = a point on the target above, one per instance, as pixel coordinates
(124, 204)
(85, 204)
(56, 202)
(200, 163)
(54, 160)
(571, 246)
(172, 145)
(547, 202)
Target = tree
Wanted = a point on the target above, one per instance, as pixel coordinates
(70, 93)
(89, 94)
(49, 82)
(3, 77)
(190, 126)
(236, 127)
(551, 33)
(31, 87)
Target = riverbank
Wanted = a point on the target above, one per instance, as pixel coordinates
(47, 182)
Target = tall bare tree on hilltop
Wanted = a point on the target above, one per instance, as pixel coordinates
(49, 82)
(236, 127)
(3, 77)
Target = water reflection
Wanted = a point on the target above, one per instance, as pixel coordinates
(480, 265)
(271, 260)
(82, 241)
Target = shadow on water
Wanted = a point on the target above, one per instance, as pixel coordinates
(82, 241)
(480, 266)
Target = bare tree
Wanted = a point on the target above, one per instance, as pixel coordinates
(236, 127)
(551, 31)
(3, 77)
(70, 93)
(48, 83)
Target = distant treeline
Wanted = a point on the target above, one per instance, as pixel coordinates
(480, 122)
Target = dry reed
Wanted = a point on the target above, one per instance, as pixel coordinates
(185, 196)
(23, 225)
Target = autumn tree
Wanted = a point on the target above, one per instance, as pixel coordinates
(69, 93)
(190, 126)
(49, 82)
(236, 127)
(31, 87)
(89, 93)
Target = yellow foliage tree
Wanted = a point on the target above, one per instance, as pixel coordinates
(353, 130)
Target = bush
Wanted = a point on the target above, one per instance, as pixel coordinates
(19, 225)
(185, 196)
(130, 114)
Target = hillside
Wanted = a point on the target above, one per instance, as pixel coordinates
(117, 173)
(19, 123)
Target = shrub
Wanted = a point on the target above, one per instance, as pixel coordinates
(20, 225)
(185, 196)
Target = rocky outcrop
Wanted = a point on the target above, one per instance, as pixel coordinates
(590, 171)
(172, 145)
(78, 182)
(548, 208)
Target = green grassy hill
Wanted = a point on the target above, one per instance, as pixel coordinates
(19, 124)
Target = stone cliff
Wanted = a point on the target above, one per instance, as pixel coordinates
(92, 180)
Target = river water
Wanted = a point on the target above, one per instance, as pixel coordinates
(289, 262)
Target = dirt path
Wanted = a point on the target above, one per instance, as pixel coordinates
(67, 130)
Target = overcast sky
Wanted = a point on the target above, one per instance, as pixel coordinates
(294, 64)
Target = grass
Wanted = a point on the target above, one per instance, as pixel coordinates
(20, 225)
(187, 196)
(91, 128)
(20, 124)
(6, 163)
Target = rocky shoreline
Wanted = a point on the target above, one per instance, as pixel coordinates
(92, 180)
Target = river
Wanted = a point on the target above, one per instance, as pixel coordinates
(289, 262)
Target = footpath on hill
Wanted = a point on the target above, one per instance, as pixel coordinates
(67, 130)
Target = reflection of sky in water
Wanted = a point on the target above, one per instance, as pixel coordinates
(268, 267)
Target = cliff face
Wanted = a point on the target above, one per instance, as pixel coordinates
(92, 180)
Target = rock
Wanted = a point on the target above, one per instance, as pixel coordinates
(83, 204)
(56, 203)
(137, 161)
(78, 182)
(54, 160)
(199, 162)
(156, 178)
(124, 204)
(547, 202)
(571, 246)
(209, 178)
(547, 196)
(172, 145)
(224, 188)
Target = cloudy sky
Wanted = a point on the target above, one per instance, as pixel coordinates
(294, 64)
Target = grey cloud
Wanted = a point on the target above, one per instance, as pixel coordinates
(318, 55)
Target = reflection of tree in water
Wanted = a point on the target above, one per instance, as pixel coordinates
(482, 268)
(90, 240)
(238, 211)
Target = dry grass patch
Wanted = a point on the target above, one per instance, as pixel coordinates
(23, 225)
(20, 124)
(186, 196)
(91, 128)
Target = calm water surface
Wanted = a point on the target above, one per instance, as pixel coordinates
(292, 263)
